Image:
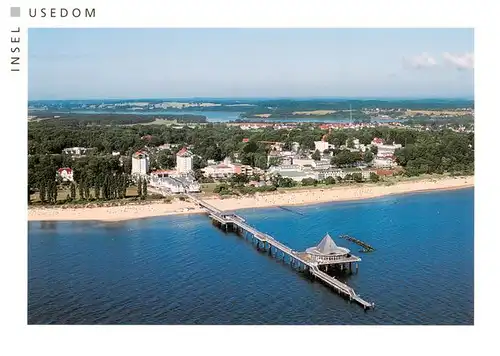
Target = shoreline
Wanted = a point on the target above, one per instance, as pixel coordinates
(282, 198)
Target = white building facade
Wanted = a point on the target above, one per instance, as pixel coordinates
(184, 161)
(140, 163)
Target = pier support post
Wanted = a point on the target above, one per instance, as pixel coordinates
(357, 266)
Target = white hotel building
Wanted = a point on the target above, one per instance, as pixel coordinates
(184, 161)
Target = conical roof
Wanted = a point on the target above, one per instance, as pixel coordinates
(327, 247)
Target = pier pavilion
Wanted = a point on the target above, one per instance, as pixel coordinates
(313, 261)
(328, 253)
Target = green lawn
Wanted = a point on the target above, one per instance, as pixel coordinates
(208, 188)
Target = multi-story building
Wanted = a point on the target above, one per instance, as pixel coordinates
(321, 146)
(184, 161)
(140, 163)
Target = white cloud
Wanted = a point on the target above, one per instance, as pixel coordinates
(421, 61)
(459, 61)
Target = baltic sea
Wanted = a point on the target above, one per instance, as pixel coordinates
(183, 270)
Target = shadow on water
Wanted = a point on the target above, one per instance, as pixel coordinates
(291, 211)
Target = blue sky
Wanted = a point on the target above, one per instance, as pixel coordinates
(168, 63)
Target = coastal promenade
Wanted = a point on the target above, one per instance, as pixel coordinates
(303, 261)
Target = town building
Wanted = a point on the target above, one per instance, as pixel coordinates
(295, 147)
(295, 172)
(321, 174)
(321, 164)
(218, 171)
(384, 162)
(184, 161)
(384, 150)
(140, 163)
(321, 145)
(165, 146)
(169, 181)
(227, 168)
(299, 161)
(76, 151)
(66, 174)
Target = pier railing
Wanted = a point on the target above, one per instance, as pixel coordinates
(239, 222)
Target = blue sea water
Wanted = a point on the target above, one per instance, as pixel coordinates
(183, 270)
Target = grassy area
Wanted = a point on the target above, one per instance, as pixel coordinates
(208, 187)
(162, 122)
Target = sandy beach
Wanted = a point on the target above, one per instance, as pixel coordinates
(282, 198)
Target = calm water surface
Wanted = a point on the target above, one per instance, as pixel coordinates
(182, 270)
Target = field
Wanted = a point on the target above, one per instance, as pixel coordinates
(314, 112)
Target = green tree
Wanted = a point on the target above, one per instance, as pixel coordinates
(139, 187)
(97, 191)
(374, 177)
(166, 159)
(329, 180)
(81, 191)
(374, 149)
(346, 158)
(275, 161)
(368, 157)
(309, 181)
(286, 182)
(41, 191)
(54, 192)
(358, 178)
(72, 188)
(316, 155)
(144, 189)
(86, 185)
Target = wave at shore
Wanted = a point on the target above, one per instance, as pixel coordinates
(283, 198)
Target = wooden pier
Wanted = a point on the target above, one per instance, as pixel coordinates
(301, 260)
(366, 247)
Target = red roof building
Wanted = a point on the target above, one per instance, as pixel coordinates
(65, 173)
(183, 152)
(67, 170)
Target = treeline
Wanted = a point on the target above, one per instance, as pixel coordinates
(95, 177)
(217, 141)
(439, 152)
(287, 113)
(114, 119)
(435, 122)
(238, 183)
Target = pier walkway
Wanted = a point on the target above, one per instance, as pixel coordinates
(298, 258)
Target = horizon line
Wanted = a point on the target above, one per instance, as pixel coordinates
(247, 98)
